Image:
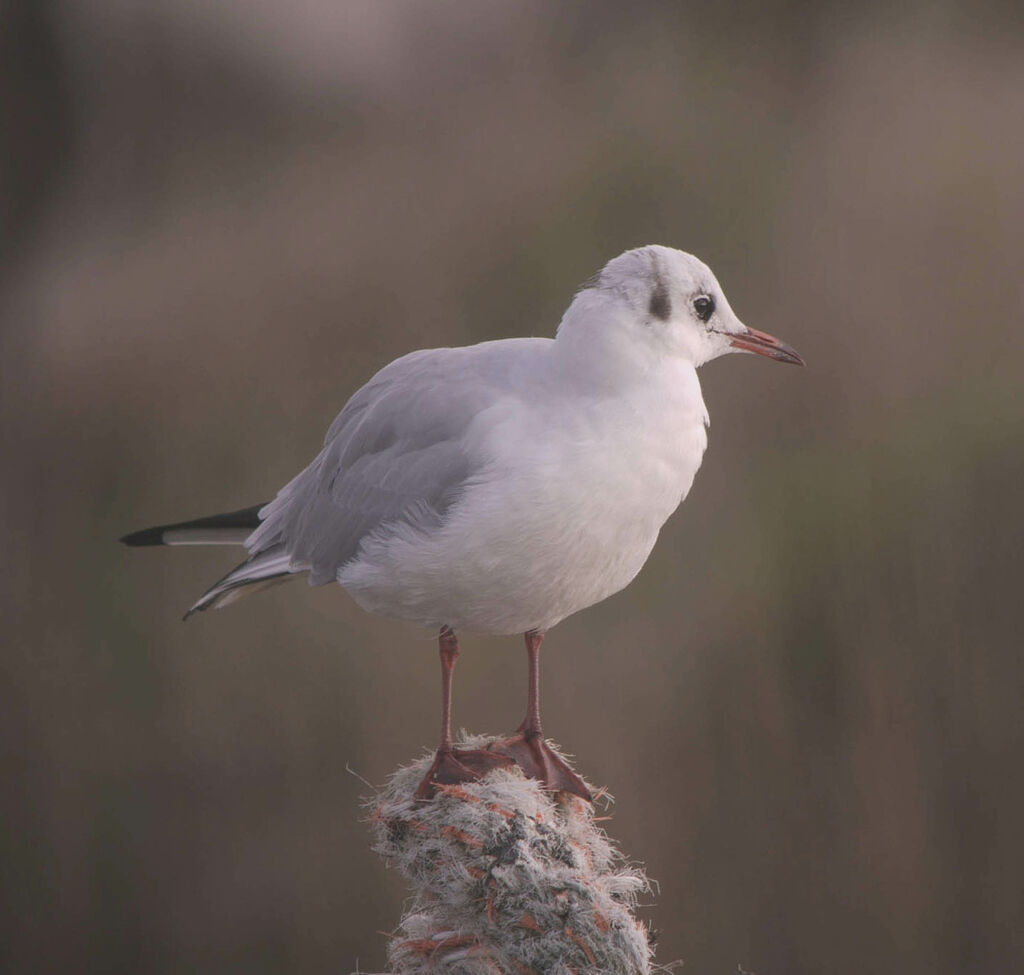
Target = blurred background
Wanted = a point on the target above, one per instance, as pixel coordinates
(218, 220)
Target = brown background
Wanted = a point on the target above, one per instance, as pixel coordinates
(219, 219)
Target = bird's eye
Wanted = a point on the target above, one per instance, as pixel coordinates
(704, 306)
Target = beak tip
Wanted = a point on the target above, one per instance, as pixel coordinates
(767, 345)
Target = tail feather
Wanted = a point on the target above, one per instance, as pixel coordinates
(268, 567)
(230, 528)
(265, 569)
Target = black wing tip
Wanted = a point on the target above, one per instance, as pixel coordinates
(243, 518)
(148, 536)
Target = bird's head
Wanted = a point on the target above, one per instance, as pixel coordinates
(668, 301)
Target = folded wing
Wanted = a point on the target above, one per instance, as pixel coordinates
(397, 453)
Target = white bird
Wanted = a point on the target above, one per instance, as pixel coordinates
(501, 487)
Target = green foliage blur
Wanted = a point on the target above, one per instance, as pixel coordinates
(217, 220)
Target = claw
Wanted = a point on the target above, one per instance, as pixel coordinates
(459, 765)
(538, 761)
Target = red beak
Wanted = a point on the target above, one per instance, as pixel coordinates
(764, 344)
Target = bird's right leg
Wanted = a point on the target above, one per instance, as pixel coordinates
(452, 765)
(529, 749)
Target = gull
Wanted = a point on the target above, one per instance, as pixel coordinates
(501, 487)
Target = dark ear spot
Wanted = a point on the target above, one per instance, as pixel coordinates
(660, 305)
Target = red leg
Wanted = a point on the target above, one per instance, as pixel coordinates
(452, 765)
(528, 748)
(448, 647)
(531, 724)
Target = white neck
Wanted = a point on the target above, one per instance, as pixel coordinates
(594, 341)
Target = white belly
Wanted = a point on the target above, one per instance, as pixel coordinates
(564, 522)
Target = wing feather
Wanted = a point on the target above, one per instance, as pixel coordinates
(397, 452)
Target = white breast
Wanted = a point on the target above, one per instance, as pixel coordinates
(565, 513)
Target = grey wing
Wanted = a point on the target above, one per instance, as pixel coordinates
(396, 453)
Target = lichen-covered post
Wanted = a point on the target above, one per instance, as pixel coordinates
(506, 878)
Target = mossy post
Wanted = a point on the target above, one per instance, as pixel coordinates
(506, 878)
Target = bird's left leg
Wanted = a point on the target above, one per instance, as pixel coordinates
(453, 764)
(531, 753)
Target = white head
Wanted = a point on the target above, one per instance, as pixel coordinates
(666, 302)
